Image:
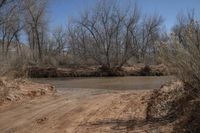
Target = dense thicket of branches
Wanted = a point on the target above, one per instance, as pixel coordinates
(181, 52)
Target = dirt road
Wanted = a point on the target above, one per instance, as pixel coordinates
(83, 112)
(79, 111)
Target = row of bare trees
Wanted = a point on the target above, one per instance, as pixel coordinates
(111, 36)
(107, 35)
(27, 21)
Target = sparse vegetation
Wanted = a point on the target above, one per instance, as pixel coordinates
(106, 40)
(105, 36)
(181, 52)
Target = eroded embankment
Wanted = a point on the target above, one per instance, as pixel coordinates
(12, 90)
(138, 70)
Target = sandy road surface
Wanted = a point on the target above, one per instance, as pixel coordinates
(72, 112)
(79, 111)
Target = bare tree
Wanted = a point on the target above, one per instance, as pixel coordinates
(106, 34)
(55, 49)
(150, 34)
(11, 25)
(59, 40)
(34, 16)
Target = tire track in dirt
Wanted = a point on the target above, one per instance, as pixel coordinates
(101, 108)
(27, 117)
(89, 108)
(116, 116)
(73, 112)
(101, 113)
(36, 110)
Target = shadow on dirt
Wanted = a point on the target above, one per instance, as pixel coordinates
(128, 125)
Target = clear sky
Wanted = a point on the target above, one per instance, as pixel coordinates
(61, 10)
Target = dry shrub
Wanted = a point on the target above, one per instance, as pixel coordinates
(14, 66)
(8, 89)
(174, 103)
(190, 119)
(50, 61)
(182, 54)
(165, 103)
(145, 71)
(4, 91)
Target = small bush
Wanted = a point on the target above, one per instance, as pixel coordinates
(145, 71)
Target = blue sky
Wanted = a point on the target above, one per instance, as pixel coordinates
(61, 10)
